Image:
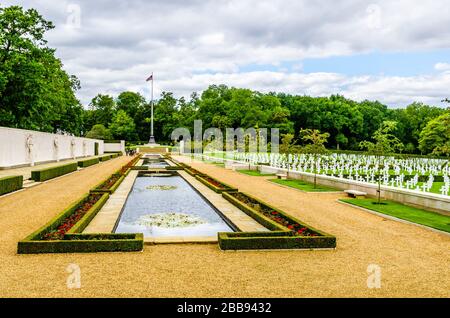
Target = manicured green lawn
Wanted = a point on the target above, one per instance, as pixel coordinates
(255, 173)
(302, 185)
(401, 211)
(216, 163)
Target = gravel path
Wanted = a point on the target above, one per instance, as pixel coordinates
(414, 262)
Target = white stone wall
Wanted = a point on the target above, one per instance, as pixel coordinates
(115, 147)
(20, 147)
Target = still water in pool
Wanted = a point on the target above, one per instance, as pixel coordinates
(168, 206)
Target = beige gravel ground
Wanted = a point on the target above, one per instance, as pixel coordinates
(415, 262)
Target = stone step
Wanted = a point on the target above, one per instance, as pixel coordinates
(30, 183)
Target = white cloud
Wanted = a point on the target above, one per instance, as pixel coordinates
(191, 44)
(442, 66)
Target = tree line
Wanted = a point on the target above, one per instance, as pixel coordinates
(36, 93)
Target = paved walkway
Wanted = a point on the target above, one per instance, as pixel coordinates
(414, 262)
(106, 218)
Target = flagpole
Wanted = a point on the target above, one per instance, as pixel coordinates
(152, 108)
(152, 137)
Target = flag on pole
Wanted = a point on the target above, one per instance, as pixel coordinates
(150, 78)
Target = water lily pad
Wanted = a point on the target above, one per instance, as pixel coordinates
(170, 220)
(161, 187)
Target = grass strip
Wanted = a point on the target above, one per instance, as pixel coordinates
(405, 212)
(255, 173)
(303, 186)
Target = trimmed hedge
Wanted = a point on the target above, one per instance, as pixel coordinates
(113, 188)
(10, 184)
(280, 236)
(105, 158)
(174, 168)
(89, 216)
(54, 223)
(88, 162)
(85, 243)
(257, 216)
(50, 173)
(272, 240)
(223, 187)
(193, 172)
(73, 241)
(139, 168)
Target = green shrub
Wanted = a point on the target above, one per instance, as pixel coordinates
(139, 168)
(113, 188)
(105, 157)
(272, 240)
(73, 241)
(174, 168)
(258, 217)
(214, 184)
(88, 162)
(50, 173)
(55, 222)
(280, 237)
(89, 216)
(85, 243)
(10, 184)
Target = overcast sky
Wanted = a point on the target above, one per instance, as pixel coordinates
(393, 51)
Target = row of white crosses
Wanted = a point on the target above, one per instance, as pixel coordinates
(361, 168)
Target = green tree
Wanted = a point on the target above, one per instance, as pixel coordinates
(412, 120)
(287, 145)
(35, 92)
(130, 102)
(102, 110)
(316, 145)
(385, 143)
(99, 132)
(435, 137)
(122, 126)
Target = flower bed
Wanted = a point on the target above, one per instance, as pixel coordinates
(215, 184)
(58, 235)
(76, 215)
(193, 172)
(111, 184)
(286, 231)
(272, 240)
(62, 234)
(124, 170)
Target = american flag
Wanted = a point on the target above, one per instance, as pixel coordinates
(150, 78)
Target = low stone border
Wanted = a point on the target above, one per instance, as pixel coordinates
(393, 218)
